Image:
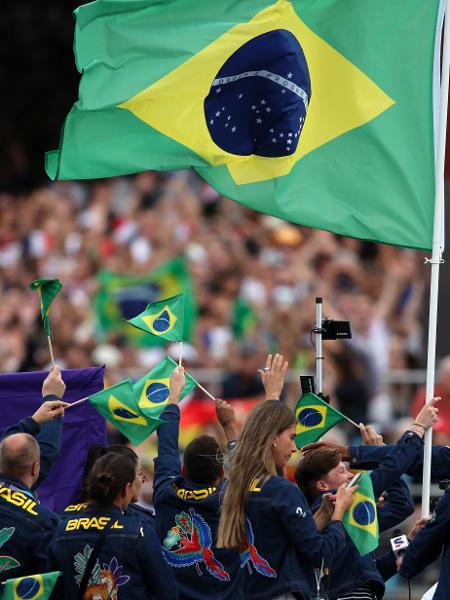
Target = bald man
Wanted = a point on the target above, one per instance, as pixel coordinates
(26, 527)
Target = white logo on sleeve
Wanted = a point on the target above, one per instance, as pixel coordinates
(300, 512)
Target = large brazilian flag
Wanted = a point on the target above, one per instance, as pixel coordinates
(319, 112)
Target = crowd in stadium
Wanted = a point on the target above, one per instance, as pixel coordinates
(255, 280)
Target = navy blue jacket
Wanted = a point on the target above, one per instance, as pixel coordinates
(26, 530)
(187, 519)
(130, 559)
(368, 457)
(283, 545)
(428, 545)
(350, 570)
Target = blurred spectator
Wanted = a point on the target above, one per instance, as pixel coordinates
(244, 382)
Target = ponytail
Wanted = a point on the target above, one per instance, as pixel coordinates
(109, 476)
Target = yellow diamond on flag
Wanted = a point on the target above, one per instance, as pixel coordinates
(162, 322)
(31, 587)
(122, 412)
(363, 514)
(343, 97)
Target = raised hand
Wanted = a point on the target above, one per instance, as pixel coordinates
(272, 376)
(227, 418)
(176, 385)
(49, 410)
(370, 437)
(53, 384)
(428, 415)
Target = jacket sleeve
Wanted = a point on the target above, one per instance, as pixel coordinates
(369, 457)
(386, 565)
(160, 579)
(291, 506)
(398, 506)
(428, 543)
(167, 463)
(27, 425)
(42, 542)
(409, 448)
(49, 440)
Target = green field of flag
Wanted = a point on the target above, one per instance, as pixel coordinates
(361, 520)
(163, 319)
(47, 289)
(32, 587)
(122, 297)
(314, 418)
(364, 162)
(152, 390)
(119, 406)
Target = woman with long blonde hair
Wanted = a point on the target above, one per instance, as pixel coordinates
(268, 517)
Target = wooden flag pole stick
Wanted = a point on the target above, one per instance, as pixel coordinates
(353, 423)
(77, 402)
(206, 391)
(52, 356)
(180, 357)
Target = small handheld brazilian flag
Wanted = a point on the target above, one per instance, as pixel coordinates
(152, 390)
(48, 289)
(120, 407)
(33, 587)
(163, 318)
(314, 417)
(361, 519)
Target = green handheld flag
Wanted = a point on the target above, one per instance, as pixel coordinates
(361, 520)
(163, 318)
(320, 113)
(31, 586)
(314, 417)
(121, 297)
(47, 289)
(152, 390)
(119, 406)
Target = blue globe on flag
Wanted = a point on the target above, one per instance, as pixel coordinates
(364, 513)
(309, 417)
(258, 101)
(157, 392)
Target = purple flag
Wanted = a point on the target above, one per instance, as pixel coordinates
(20, 396)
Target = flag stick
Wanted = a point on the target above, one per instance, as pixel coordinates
(77, 402)
(436, 257)
(205, 391)
(319, 356)
(52, 356)
(180, 357)
(352, 422)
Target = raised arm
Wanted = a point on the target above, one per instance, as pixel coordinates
(167, 463)
(272, 376)
(227, 418)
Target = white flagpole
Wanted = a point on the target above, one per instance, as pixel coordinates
(436, 257)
